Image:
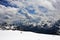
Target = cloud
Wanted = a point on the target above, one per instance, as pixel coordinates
(21, 3)
(9, 13)
(30, 11)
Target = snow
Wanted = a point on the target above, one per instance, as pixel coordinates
(22, 35)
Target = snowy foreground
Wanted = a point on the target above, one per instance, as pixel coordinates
(21, 35)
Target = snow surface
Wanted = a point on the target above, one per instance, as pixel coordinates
(22, 35)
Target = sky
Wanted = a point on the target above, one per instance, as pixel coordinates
(32, 11)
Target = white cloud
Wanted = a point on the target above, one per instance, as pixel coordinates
(9, 12)
(22, 3)
(12, 13)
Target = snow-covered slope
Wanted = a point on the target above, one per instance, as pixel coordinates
(18, 35)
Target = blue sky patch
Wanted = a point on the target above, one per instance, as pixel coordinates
(43, 9)
(30, 9)
(6, 3)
